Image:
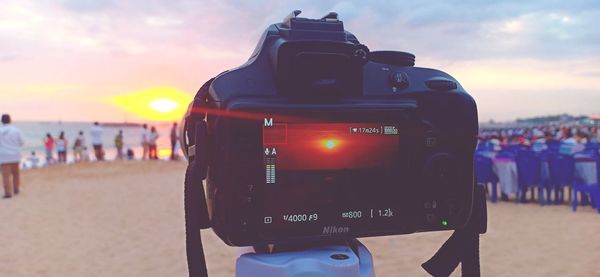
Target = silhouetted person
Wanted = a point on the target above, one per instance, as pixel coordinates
(145, 141)
(130, 154)
(49, 147)
(11, 142)
(152, 146)
(61, 148)
(119, 144)
(34, 160)
(174, 140)
(96, 137)
(78, 146)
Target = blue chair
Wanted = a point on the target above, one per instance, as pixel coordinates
(562, 170)
(529, 173)
(508, 154)
(514, 148)
(484, 174)
(588, 153)
(545, 182)
(592, 145)
(485, 146)
(592, 148)
(553, 145)
(593, 190)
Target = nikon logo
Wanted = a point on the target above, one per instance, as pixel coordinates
(332, 230)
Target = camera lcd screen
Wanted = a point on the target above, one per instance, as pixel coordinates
(329, 146)
(329, 172)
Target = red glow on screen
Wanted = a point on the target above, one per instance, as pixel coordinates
(330, 146)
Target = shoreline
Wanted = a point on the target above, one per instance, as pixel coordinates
(26, 163)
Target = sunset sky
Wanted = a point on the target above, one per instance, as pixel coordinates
(108, 60)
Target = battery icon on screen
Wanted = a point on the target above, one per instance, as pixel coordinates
(390, 130)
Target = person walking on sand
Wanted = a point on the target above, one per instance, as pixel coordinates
(119, 144)
(152, 139)
(96, 137)
(61, 148)
(78, 147)
(11, 142)
(174, 140)
(145, 140)
(49, 146)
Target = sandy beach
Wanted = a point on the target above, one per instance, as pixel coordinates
(126, 219)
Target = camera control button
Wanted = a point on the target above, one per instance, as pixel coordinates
(360, 54)
(430, 205)
(427, 205)
(431, 218)
(430, 141)
(441, 84)
(398, 80)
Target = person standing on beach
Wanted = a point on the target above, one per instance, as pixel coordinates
(49, 146)
(174, 139)
(119, 144)
(78, 147)
(85, 155)
(152, 139)
(130, 154)
(145, 139)
(61, 148)
(34, 161)
(11, 142)
(96, 135)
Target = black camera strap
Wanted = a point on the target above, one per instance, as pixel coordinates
(463, 246)
(194, 205)
(196, 210)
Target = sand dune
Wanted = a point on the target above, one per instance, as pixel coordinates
(126, 219)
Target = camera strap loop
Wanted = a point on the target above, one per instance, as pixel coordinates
(196, 210)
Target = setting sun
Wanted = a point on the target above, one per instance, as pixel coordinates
(330, 144)
(163, 105)
(156, 104)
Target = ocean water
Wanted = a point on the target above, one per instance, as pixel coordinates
(35, 132)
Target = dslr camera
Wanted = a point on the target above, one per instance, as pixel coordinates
(318, 138)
